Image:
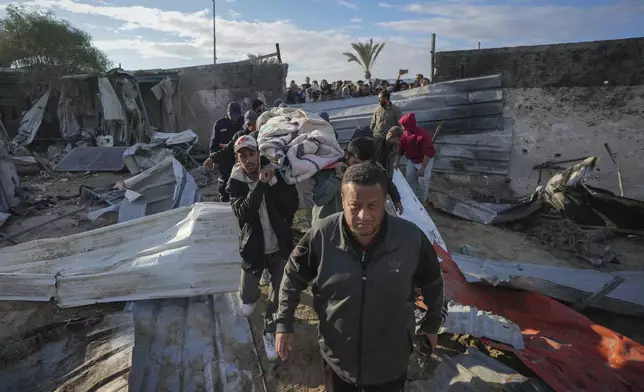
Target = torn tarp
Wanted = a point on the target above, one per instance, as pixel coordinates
(30, 123)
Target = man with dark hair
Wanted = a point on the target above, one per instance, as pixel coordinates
(222, 133)
(363, 131)
(226, 152)
(327, 198)
(364, 266)
(386, 115)
(258, 106)
(264, 206)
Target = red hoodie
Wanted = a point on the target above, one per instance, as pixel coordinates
(415, 142)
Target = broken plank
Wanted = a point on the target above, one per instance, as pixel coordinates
(608, 287)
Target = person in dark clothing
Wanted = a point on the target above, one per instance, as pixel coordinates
(327, 199)
(363, 131)
(222, 133)
(226, 153)
(264, 206)
(258, 106)
(387, 148)
(364, 266)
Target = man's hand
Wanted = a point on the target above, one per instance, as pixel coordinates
(340, 168)
(284, 344)
(222, 145)
(209, 164)
(399, 208)
(421, 172)
(265, 175)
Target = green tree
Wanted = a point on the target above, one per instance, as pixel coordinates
(40, 42)
(365, 55)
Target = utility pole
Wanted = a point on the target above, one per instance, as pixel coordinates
(432, 64)
(214, 35)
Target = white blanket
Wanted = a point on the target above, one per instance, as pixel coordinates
(301, 143)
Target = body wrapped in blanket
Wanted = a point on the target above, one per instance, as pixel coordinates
(299, 143)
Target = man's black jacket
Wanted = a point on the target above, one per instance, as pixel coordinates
(223, 131)
(227, 153)
(281, 202)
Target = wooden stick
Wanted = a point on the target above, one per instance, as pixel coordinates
(438, 130)
(605, 290)
(619, 171)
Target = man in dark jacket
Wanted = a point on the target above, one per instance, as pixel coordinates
(364, 266)
(258, 106)
(226, 153)
(327, 198)
(222, 133)
(265, 206)
(387, 148)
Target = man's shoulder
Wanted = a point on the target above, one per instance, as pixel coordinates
(404, 227)
(327, 223)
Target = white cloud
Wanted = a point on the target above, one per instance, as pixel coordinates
(355, 20)
(174, 39)
(347, 4)
(234, 14)
(385, 5)
(515, 24)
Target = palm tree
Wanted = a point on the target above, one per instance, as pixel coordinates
(365, 55)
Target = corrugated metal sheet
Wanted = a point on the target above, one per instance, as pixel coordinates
(82, 159)
(178, 253)
(565, 284)
(89, 354)
(475, 138)
(194, 344)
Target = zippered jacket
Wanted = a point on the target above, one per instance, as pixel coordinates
(364, 299)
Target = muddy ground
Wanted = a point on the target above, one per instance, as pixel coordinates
(541, 241)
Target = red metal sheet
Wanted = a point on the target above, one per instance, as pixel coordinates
(565, 348)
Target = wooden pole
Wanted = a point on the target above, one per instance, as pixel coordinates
(432, 63)
(279, 54)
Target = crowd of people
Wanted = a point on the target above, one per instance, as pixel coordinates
(364, 265)
(324, 91)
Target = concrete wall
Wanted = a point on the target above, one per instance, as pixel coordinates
(620, 62)
(205, 91)
(574, 122)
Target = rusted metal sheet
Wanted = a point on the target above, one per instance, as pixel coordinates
(474, 139)
(194, 344)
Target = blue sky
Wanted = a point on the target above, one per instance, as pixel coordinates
(145, 34)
